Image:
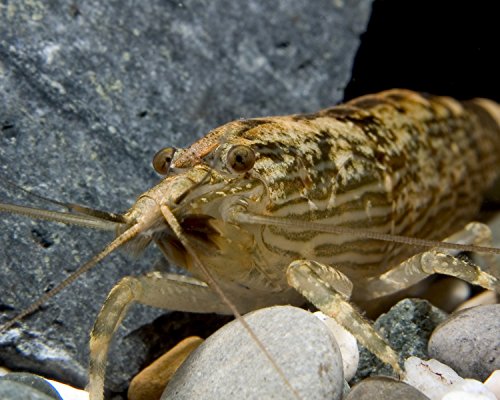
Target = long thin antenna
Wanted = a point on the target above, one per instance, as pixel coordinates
(100, 214)
(249, 218)
(174, 224)
(63, 217)
(119, 241)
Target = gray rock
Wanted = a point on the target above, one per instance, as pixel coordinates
(469, 342)
(407, 326)
(90, 92)
(17, 386)
(37, 383)
(229, 365)
(384, 388)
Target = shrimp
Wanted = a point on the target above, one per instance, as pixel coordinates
(329, 208)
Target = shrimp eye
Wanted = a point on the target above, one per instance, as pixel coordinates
(240, 158)
(162, 160)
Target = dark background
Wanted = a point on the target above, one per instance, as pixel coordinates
(443, 47)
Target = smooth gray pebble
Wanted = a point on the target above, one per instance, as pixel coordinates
(384, 388)
(19, 385)
(469, 342)
(229, 365)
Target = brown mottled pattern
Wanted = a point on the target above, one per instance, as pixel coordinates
(396, 162)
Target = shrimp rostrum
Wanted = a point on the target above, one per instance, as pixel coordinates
(343, 205)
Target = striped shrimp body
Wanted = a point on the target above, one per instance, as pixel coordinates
(316, 207)
(394, 163)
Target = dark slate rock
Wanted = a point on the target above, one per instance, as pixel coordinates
(407, 326)
(469, 342)
(384, 388)
(90, 91)
(229, 365)
(18, 385)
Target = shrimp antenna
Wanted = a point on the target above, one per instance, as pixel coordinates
(71, 207)
(244, 217)
(87, 221)
(175, 226)
(118, 242)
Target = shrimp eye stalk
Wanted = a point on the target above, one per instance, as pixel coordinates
(163, 159)
(240, 159)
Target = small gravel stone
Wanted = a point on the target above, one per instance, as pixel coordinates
(447, 293)
(440, 382)
(431, 377)
(407, 326)
(15, 386)
(152, 380)
(229, 364)
(483, 298)
(459, 395)
(493, 383)
(68, 392)
(469, 342)
(469, 390)
(347, 343)
(378, 388)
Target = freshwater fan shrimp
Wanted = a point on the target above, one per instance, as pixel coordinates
(324, 208)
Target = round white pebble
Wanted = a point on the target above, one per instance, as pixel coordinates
(439, 382)
(430, 377)
(347, 344)
(461, 395)
(493, 383)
